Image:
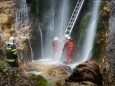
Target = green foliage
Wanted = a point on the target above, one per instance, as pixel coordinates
(83, 26)
(4, 64)
(41, 81)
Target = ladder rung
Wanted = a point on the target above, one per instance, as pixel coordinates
(75, 12)
(73, 16)
(72, 20)
(67, 30)
(69, 27)
(70, 24)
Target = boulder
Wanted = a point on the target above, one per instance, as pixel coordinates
(83, 83)
(87, 71)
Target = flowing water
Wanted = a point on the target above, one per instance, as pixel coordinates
(63, 18)
(49, 30)
(22, 19)
(91, 32)
(77, 10)
(57, 18)
(56, 24)
(22, 25)
(86, 52)
(32, 54)
(40, 31)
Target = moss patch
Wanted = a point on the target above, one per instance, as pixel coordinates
(4, 64)
(41, 81)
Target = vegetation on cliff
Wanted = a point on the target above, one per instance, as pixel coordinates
(102, 32)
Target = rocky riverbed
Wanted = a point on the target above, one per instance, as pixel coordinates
(87, 73)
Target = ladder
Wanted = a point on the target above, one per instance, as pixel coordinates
(74, 17)
(70, 26)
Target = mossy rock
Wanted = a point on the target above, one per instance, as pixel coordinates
(3, 64)
(41, 81)
(83, 26)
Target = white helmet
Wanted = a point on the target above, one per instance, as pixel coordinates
(69, 37)
(11, 40)
(66, 36)
(56, 38)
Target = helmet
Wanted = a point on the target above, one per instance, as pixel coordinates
(66, 36)
(56, 38)
(11, 40)
(69, 37)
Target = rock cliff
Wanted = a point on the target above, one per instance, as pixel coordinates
(7, 16)
(109, 60)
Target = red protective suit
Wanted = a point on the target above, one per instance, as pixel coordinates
(55, 47)
(69, 53)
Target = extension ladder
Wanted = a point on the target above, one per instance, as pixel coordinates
(69, 28)
(74, 17)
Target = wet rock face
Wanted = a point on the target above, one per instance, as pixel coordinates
(109, 60)
(87, 71)
(83, 83)
(7, 16)
(15, 77)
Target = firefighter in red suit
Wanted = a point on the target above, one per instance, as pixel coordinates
(55, 46)
(70, 48)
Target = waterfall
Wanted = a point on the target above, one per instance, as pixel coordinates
(57, 23)
(32, 54)
(63, 18)
(22, 19)
(49, 29)
(22, 25)
(91, 32)
(40, 31)
(63, 39)
(55, 18)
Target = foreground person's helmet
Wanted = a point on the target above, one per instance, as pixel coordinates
(11, 40)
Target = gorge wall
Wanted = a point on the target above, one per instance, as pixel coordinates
(7, 16)
(102, 32)
(108, 62)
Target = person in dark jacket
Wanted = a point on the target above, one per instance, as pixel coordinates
(11, 54)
